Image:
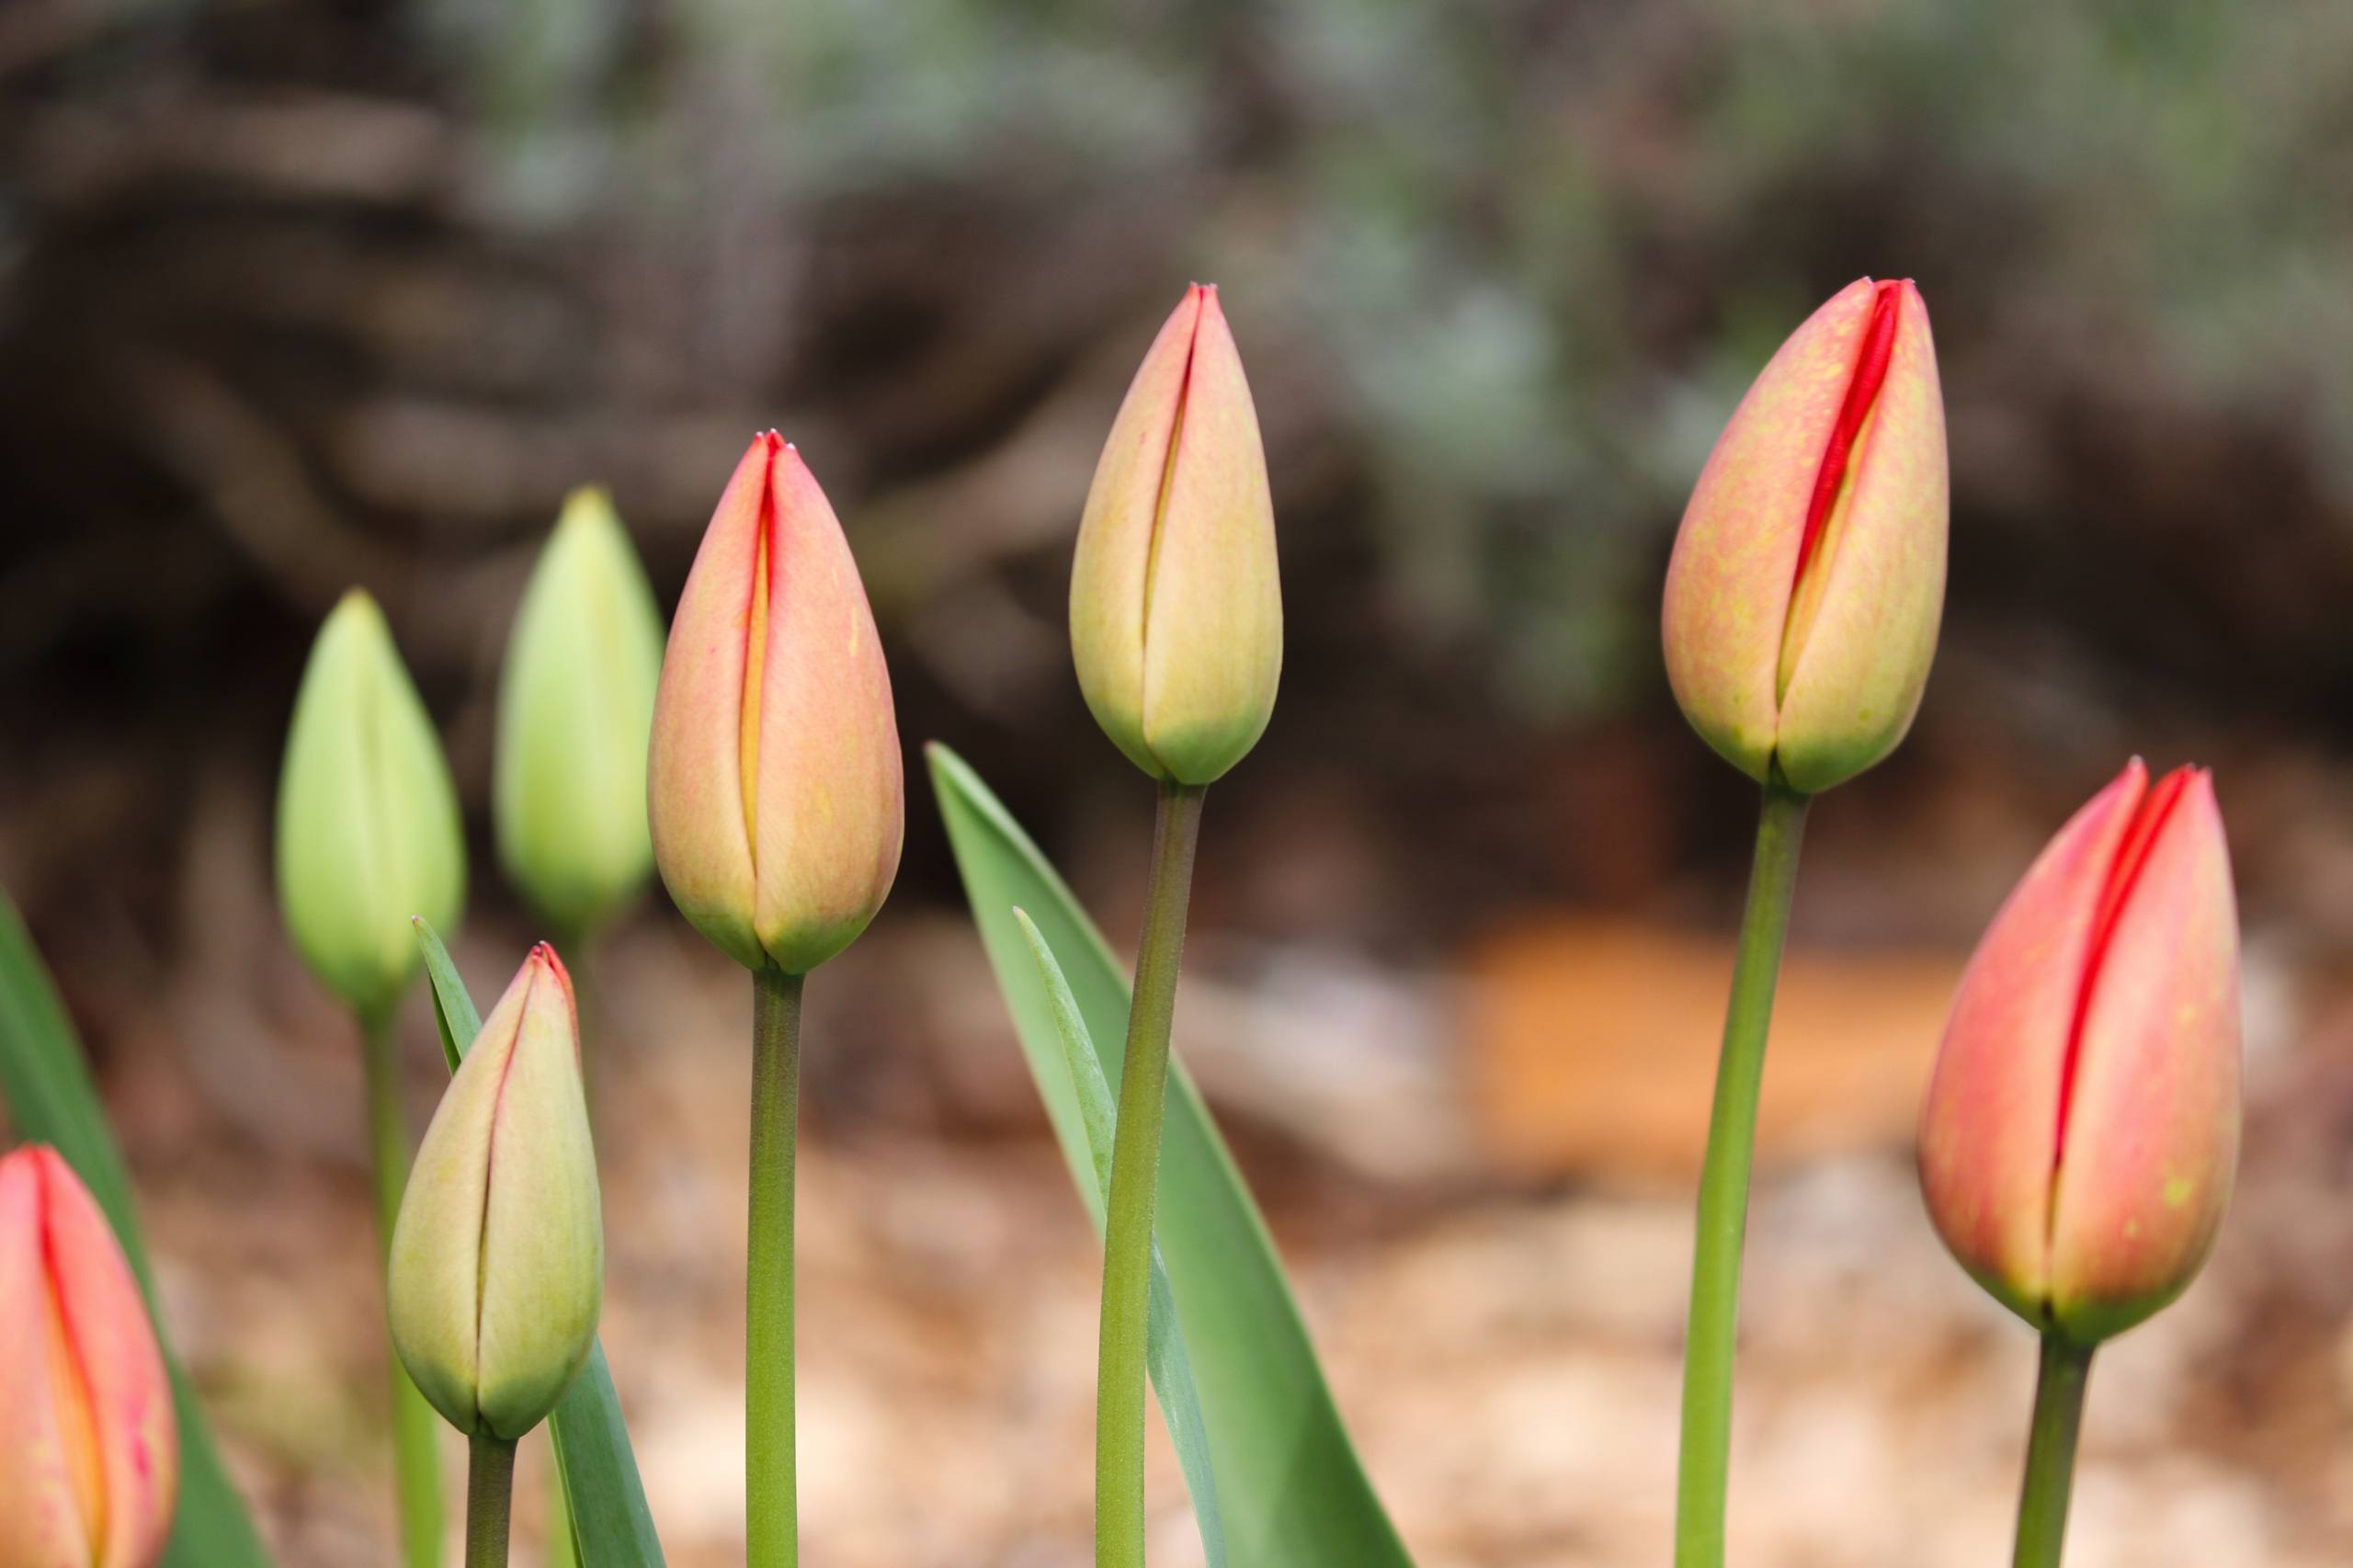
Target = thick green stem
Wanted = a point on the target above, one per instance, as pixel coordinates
(1135, 1180)
(1723, 1187)
(2050, 1451)
(771, 1496)
(490, 1499)
(416, 1428)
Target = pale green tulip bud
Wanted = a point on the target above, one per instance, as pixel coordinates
(497, 1271)
(574, 709)
(1176, 606)
(367, 827)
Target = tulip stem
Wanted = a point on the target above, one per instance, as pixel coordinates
(490, 1500)
(1135, 1181)
(572, 941)
(1723, 1186)
(2050, 1451)
(417, 1462)
(771, 1488)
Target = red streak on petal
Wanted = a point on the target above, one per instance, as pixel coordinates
(2124, 874)
(1862, 393)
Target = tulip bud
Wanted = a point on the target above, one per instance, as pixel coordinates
(497, 1259)
(2082, 1129)
(89, 1450)
(574, 711)
(773, 784)
(1808, 573)
(368, 828)
(1176, 609)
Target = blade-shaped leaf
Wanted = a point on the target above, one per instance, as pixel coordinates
(1164, 1341)
(1290, 1488)
(52, 1100)
(611, 1527)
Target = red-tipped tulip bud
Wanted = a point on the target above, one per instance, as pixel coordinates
(496, 1270)
(1176, 609)
(1808, 573)
(2083, 1126)
(90, 1454)
(774, 785)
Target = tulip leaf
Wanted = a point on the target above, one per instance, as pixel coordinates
(1171, 1368)
(1290, 1490)
(611, 1526)
(50, 1099)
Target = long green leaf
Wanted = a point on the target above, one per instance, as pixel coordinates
(52, 1100)
(1164, 1341)
(1290, 1488)
(611, 1526)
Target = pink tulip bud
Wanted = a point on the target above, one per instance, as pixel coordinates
(1808, 573)
(90, 1454)
(773, 786)
(1176, 602)
(2083, 1126)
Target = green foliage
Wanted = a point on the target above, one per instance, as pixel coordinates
(52, 1100)
(1291, 1492)
(1165, 1354)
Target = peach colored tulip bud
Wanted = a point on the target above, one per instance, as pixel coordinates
(367, 827)
(575, 706)
(496, 1268)
(89, 1453)
(2083, 1126)
(1809, 575)
(774, 785)
(1176, 609)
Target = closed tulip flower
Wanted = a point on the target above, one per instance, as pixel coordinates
(1807, 576)
(90, 1454)
(2083, 1126)
(1176, 606)
(575, 706)
(368, 826)
(774, 782)
(497, 1261)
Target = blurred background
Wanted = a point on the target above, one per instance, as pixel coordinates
(295, 295)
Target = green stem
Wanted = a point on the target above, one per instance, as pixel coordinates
(490, 1499)
(1723, 1187)
(2050, 1451)
(416, 1428)
(771, 1498)
(572, 943)
(1135, 1180)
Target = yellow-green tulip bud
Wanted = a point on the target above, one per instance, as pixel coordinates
(497, 1264)
(1175, 608)
(367, 826)
(1808, 573)
(574, 709)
